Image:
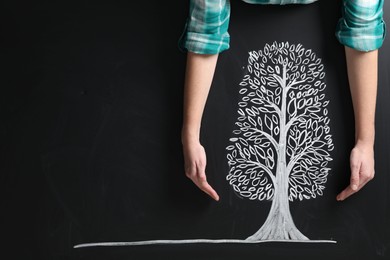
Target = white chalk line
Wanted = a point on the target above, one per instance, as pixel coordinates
(191, 241)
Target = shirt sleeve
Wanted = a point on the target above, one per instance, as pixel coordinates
(362, 26)
(206, 27)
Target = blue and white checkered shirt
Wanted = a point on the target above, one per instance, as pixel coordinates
(361, 26)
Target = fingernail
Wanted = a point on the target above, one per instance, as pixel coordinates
(354, 187)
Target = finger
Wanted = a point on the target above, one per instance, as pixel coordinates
(366, 176)
(190, 171)
(206, 187)
(345, 193)
(196, 172)
(354, 181)
(355, 177)
(349, 191)
(203, 184)
(363, 182)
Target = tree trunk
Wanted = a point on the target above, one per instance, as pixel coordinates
(279, 224)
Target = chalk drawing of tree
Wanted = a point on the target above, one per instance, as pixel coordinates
(282, 142)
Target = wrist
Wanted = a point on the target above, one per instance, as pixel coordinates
(365, 134)
(189, 136)
(365, 142)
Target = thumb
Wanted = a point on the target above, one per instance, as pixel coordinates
(355, 178)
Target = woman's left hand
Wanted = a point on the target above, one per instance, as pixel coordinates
(362, 169)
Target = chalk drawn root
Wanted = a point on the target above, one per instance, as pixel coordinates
(279, 224)
(279, 233)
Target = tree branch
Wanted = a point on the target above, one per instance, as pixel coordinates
(290, 85)
(293, 120)
(269, 137)
(296, 158)
(278, 79)
(277, 109)
(267, 170)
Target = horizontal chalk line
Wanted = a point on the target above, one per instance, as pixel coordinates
(191, 241)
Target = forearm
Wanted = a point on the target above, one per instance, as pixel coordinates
(198, 78)
(362, 74)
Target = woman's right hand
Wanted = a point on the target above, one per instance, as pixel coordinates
(195, 165)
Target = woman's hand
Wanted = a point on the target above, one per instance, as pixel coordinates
(363, 77)
(362, 169)
(199, 74)
(195, 165)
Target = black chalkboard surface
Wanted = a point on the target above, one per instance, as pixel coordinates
(91, 110)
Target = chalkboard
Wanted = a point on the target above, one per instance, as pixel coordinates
(90, 136)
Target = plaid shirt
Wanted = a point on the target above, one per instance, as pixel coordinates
(361, 26)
